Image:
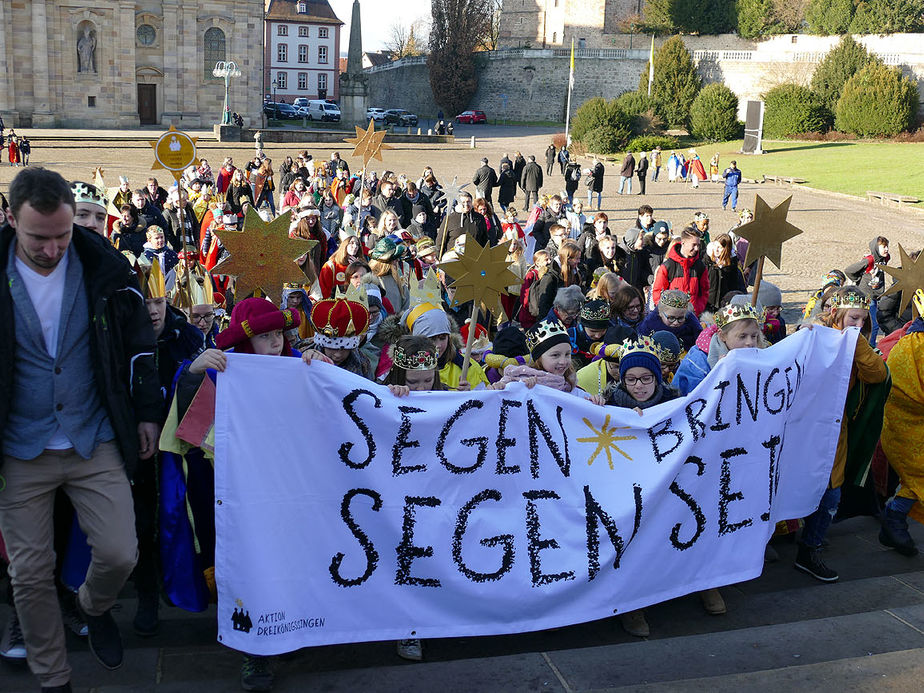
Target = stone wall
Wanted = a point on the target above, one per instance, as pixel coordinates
(535, 81)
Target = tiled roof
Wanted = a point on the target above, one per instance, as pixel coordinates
(319, 11)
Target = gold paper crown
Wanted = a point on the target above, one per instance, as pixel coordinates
(597, 310)
(543, 331)
(640, 345)
(672, 301)
(154, 284)
(354, 293)
(427, 290)
(850, 299)
(738, 311)
(421, 360)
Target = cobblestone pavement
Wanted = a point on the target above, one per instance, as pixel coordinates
(837, 228)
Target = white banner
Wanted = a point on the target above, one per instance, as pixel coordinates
(345, 514)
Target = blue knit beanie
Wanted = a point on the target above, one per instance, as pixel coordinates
(643, 359)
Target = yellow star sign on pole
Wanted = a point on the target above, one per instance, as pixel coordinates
(368, 143)
(262, 255)
(767, 233)
(174, 151)
(908, 278)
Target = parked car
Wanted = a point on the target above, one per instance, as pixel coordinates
(375, 113)
(398, 116)
(323, 110)
(280, 111)
(300, 102)
(472, 117)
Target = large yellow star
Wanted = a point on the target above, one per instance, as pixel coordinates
(606, 440)
(186, 154)
(767, 233)
(482, 274)
(368, 143)
(908, 277)
(262, 255)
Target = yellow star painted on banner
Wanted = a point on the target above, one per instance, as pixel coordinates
(767, 233)
(482, 274)
(368, 143)
(262, 255)
(606, 440)
(908, 278)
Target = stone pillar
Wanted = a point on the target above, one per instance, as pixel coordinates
(7, 95)
(173, 65)
(354, 85)
(42, 117)
(125, 64)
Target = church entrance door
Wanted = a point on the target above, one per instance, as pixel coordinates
(147, 104)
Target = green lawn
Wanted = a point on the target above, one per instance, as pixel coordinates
(846, 167)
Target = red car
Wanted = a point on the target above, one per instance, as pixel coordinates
(472, 117)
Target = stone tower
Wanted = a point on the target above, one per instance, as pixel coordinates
(354, 85)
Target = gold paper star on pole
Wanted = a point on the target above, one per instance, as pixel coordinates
(908, 278)
(368, 143)
(262, 255)
(480, 273)
(767, 233)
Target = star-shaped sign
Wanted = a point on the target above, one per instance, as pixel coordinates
(768, 232)
(262, 255)
(481, 273)
(908, 278)
(368, 143)
(174, 151)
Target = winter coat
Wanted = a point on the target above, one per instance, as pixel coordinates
(572, 177)
(548, 286)
(518, 165)
(628, 166)
(598, 173)
(531, 180)
(550, 155)
(121, 340)
(460, 224)
(621, 398)
(237, 195)
(507, 182)
(686, 274)
(867, 273)
(641, 169)
(657, 254)
(636, 269)
(722, 280)
(485, 179)
(686, 333)
(541, 229)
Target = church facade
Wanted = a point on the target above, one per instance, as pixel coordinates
(125, 63)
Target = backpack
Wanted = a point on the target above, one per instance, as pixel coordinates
(576, 174)
(532, 301)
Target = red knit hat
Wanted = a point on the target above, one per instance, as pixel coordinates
(254, 316)
(480, 331)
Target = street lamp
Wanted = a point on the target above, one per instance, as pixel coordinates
(275, 105)
(227, 70)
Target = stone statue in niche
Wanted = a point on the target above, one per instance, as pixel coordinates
(86, 51)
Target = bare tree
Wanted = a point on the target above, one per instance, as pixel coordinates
(459, 28)
(492, 26)
(396, 43)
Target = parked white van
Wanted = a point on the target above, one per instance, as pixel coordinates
(322, 110)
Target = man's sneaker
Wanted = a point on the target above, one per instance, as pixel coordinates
(73, 621)
(146, 620)
(411, 650)
(808, 560)
(12, 645)
(105, 640)
(894, 532)
(255, 674)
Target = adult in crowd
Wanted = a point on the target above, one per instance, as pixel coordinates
(485, 180)
(464, 220)
(597, 172)
(553, 213)
(572, 179)
(155, 194)
(80, 401)
(550, 156)
(531, 182)
(507, 186)
(146, 210)
(626, 173)
(732, 177)
(641, 170)
(683, 269)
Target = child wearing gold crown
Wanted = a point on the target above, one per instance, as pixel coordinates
(674, 315)
(339, 326)
(739, 327)
(861, 424)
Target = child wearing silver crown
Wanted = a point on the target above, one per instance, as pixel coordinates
(739, 327)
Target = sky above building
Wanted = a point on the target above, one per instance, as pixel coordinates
(378, 18)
